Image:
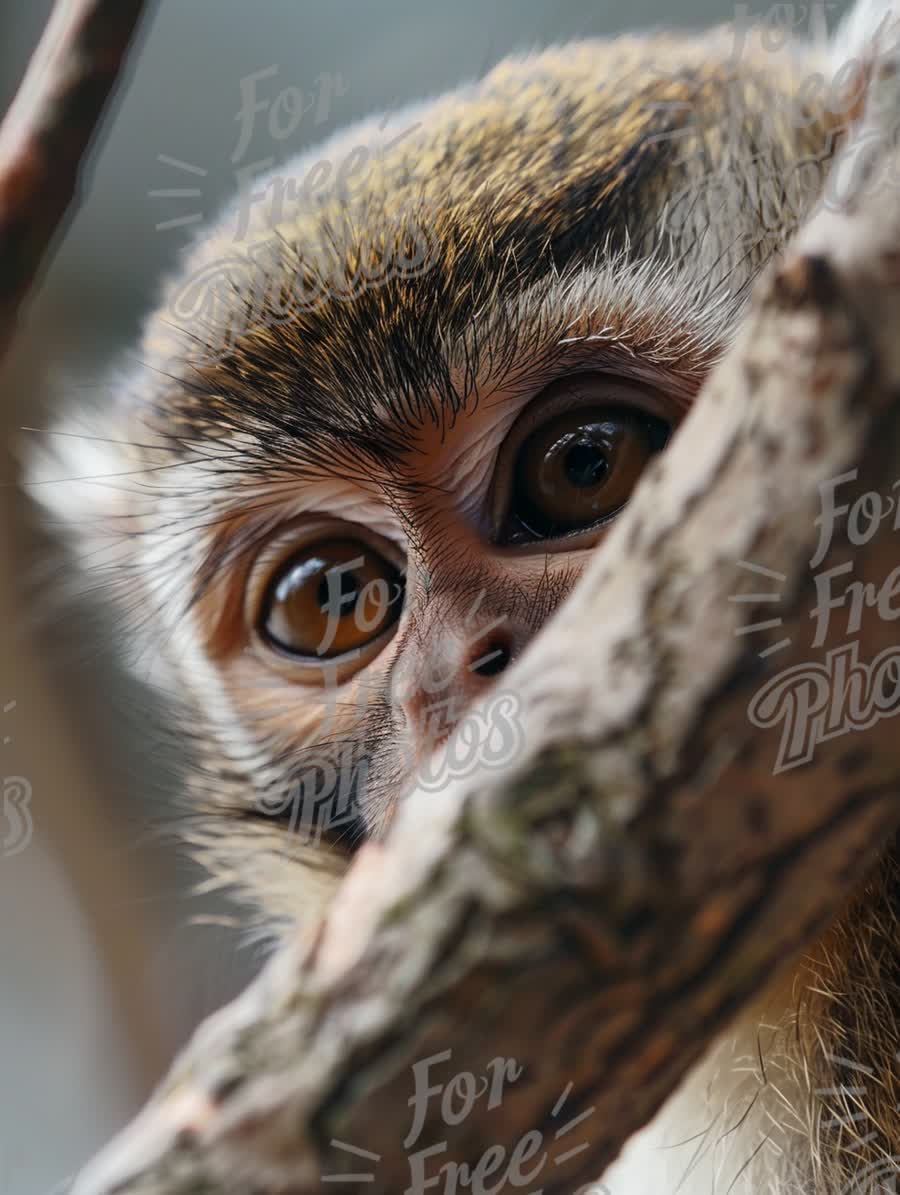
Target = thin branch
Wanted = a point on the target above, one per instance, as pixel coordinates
(48, 130)
(44, 139)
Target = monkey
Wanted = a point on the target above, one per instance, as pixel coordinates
(385, 413)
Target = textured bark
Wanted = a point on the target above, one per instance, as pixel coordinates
(598, 909)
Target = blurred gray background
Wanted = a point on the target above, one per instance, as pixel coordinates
(71, 1071)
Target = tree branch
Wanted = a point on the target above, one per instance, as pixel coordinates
(44, 139)
(48, 129)
(599, 908)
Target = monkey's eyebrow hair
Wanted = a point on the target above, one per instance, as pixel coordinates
(314, 399)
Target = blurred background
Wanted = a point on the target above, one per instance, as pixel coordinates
(85, 1030)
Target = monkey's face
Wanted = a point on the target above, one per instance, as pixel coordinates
(358, 616)
(365, 475)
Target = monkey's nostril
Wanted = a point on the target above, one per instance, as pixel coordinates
(493, 657)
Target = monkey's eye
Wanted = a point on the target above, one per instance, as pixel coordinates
(577, 468)
(581, 468)
(332, 597)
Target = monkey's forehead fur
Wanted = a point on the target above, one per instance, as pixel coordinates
(641, 163)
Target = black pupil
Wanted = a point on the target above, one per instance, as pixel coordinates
(348, 591)
(585, 464)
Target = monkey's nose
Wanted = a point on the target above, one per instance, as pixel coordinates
(493, 655)
(437, 686)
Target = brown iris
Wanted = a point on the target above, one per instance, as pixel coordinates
(333, 597)
(580, 467)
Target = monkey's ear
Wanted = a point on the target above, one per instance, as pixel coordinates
(867, 40)
(83, 477)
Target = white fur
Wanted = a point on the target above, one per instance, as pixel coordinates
(729, 1127)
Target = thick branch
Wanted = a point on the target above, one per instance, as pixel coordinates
(599, 909)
